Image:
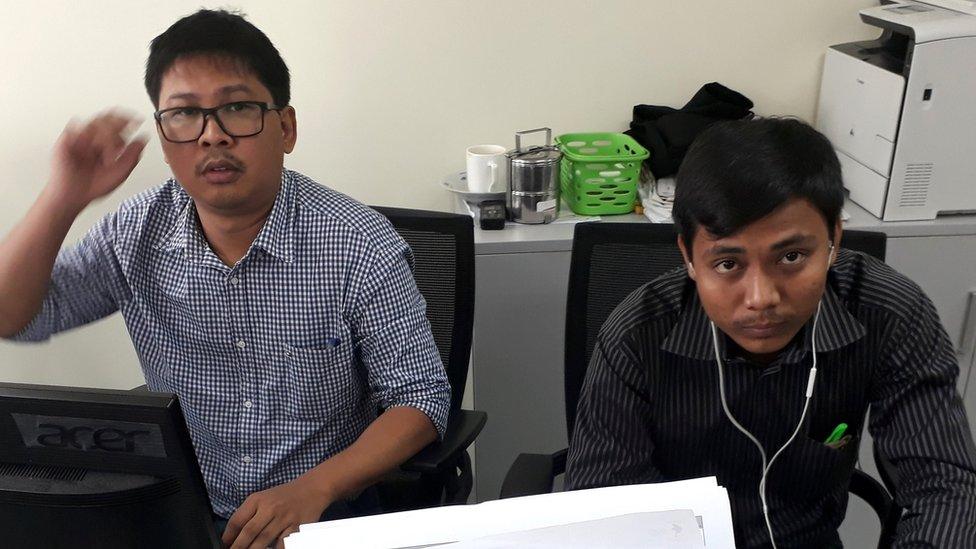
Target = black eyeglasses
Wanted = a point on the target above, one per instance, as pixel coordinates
(237, 119)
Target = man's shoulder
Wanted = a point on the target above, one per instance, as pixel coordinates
(660, 300)
(864, 282)
(322, 205)
(153, 211)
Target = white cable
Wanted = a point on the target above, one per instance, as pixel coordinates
(811, 380)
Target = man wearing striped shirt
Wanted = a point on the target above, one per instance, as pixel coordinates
(282, 313)
(707, 370)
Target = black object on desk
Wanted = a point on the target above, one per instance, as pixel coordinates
(492, 214)
(99, 468)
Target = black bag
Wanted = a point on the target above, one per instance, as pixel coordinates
(668, 132)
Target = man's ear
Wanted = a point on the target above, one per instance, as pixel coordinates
(289, 128)
(838, 229)
(686, 258)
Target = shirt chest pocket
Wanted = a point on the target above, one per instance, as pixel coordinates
(321, 382)
(810, 469)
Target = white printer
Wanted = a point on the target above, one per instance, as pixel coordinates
(901, 110)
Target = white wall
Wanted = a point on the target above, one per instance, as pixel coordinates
(389, 93)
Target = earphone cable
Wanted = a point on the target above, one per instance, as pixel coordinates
(811, 381)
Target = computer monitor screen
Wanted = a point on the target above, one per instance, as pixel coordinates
(98, 468)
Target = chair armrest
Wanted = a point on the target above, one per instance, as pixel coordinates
(462, 429)
(873, 492)
(886, 470)
(533, 474)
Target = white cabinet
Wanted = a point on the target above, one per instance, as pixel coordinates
(517, 360)
(945, 268)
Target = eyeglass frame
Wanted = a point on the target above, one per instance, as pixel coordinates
(264, 106)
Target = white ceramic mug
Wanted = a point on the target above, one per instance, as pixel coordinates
(487, 168)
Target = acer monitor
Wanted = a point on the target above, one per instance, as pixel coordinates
(98, 468)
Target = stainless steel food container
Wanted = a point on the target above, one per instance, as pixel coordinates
(533, 190)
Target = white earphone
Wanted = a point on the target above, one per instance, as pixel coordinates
(811, 380)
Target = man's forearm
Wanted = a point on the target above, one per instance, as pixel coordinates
(391, 439)
(90, 160)
(27, 256)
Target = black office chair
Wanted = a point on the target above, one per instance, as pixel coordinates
(609, 261)
(443, 249)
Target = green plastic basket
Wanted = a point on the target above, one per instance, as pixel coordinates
(599, 172)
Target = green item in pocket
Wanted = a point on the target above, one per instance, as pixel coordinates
(837, 433)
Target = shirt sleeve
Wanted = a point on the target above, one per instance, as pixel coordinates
(919, 425)
(86, 285)
(611, 444)
(395, 342)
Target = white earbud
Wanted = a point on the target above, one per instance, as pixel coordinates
(830, 256)
(691, 269)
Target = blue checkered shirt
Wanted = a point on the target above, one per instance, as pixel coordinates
(280, 361)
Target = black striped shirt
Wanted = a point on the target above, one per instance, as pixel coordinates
(650, 410)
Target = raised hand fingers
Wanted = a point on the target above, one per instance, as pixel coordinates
(111, 131)
(101, 139)
(126, 161)
(93, 158)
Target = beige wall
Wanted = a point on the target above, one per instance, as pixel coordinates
(389, 93)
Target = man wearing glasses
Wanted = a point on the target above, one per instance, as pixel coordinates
(282, 313)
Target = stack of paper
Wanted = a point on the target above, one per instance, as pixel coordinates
(634, 513)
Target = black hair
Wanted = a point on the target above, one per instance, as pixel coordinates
(223, 35)
(739, 171)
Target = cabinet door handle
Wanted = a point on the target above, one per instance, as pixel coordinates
(968, 339)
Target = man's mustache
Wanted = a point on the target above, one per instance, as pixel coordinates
(760, 320)
(224, 159)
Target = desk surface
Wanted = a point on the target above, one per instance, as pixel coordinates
(555, 237)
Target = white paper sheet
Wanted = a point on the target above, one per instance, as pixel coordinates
(469, 522)
(665, 529)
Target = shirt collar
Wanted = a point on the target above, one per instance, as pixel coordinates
(180, 234)
(275, 238)
(691, 336)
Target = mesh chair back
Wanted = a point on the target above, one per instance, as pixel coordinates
(443, 249)
(611, 260)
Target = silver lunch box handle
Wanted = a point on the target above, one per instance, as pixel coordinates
(518, 136)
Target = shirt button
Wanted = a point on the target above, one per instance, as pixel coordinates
(240, 344)
(235, 281)
(247, 459)
(247, 404)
